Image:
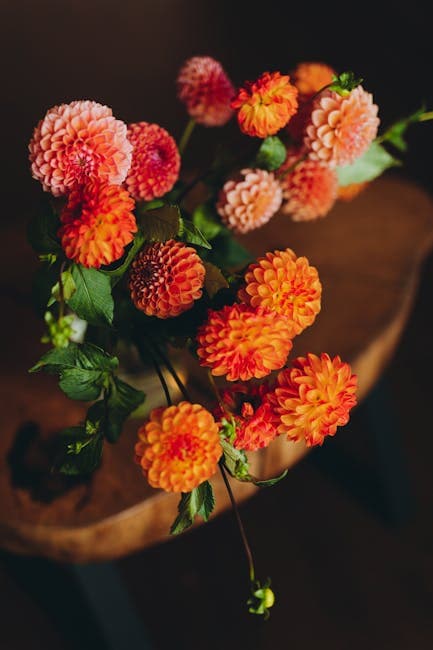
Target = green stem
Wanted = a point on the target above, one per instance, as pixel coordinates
(61, 292)
(173, 372)
(186, 136)
(141, 350)
(240, 524)
(425, 117)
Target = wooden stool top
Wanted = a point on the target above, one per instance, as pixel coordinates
(368, 254)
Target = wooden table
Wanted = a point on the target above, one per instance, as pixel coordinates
(368, 253)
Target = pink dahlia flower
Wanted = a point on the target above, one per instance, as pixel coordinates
(341, 128)
(155, 161)
(78, 142)
(205, 89)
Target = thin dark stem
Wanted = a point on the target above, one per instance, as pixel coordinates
(141, 350)
(61, 292)
(173, 372)
(186, 136)
(240, 524)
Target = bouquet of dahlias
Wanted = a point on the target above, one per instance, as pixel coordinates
(128, 259)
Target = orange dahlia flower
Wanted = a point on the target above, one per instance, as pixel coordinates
(349, 192)
(97, 224)
(256, 425)
(310, 189)
(286, 284)
(341, 127)
(242, 342)
(155, 161)
(178, 447)
(205, 89)
(166, 278)
(314, 397)
(309, 77)
(78, 142)
(249, 201)
(266, 105)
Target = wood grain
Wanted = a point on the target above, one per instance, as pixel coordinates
(369, 254)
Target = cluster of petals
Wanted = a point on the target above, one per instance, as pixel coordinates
(155, 161)
(204, 87)
(78, 142)
(310, 77)
(166, 278)
(310, 188)
(178, 447)
(265, 106)
(341, 128)
(242, 342)
(313, 397)
(97, 224)
(250, 200)
(286, 284)
(253, 415)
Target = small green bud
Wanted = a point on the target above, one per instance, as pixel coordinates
(59, 331)
(262, 599)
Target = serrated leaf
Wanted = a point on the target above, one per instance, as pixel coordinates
(206, 220)
(122, 400)
(92, 301)
(394, 135)
(42, 230)
(189, 233)
(160, 224)
(68, 288)
(77, 355)
(214, 279)
(80, 453)
(370, 165)
(80, 384)
(200, 501)
(271, 154)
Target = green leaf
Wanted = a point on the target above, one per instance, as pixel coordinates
(271, 154)
(270, 481)
(122, 400)
(92, 301)
(236, 461)
(43, 280)
(214, 279)
(228, 254)
(42, 230)
(206, 220)
(80, 452)
(132, 251)
(77, 355)
(200, 501)
(189, 232)
(394, 135)
(160, 224)
(69, 288)
(80, 384)
(344, 83)
(370, 165)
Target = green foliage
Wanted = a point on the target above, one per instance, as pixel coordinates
(160, 224)
(116, 273)
(236, 461)
(42, 230)
(190, 233)
(214, 280)
(80, 451)
(200, 501)
(68, 285)
(367, 167)
(227, 253)
(121, 400)
(58, 331)
(394, 135)
(92, 300)
(262, 598)
(344, 83)
(270, 481)
(43, 280)
(207, 221)
(271, 154)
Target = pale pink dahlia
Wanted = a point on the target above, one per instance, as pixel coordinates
(341, 128)
(205, 89)
(155, 161)
(78, 142)
(250, 201)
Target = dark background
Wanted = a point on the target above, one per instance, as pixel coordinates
(348, 572)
